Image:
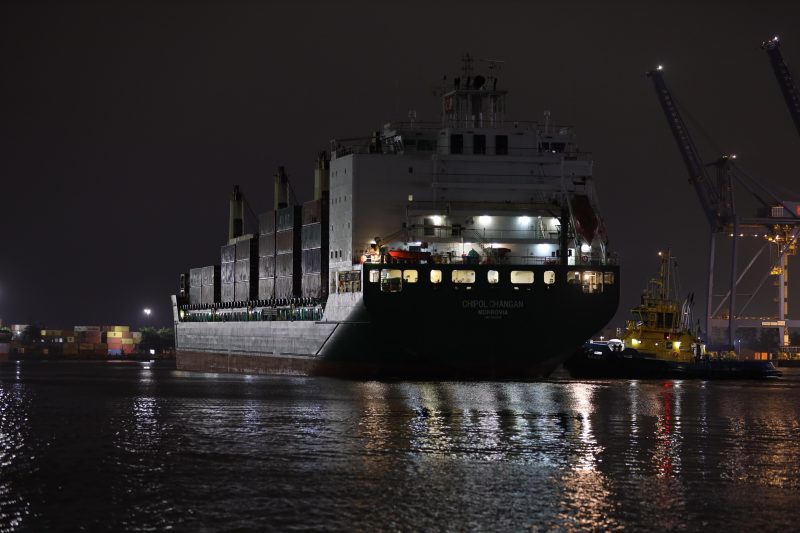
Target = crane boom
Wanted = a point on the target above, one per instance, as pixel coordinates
(784, 77)
(706, 191)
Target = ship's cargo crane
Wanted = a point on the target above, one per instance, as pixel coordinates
(777, 220)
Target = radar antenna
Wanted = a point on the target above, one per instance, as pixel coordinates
(467, 60)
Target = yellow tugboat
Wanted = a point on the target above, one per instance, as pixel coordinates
(659, 327)
(659, 342)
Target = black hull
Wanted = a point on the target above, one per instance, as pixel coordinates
(422, 331)
(447, 331)
(598, 361)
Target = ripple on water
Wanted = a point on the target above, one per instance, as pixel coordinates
(88, 446)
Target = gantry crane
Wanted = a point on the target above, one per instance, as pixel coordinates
(784, 77)
(777, 221)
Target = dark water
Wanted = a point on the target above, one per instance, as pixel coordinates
(113, 446)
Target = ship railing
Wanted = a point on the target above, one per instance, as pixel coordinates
(392, 142)
(550, 130)
(367, 147)
(282, 310)
(491, 259)
(422, 232)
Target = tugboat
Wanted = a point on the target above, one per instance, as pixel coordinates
(659, 343)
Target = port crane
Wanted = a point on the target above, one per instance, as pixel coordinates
(784, 77)
(776, 220)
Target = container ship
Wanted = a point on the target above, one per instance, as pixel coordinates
(470, 247)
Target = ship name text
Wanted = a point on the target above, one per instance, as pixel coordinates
(492, 304)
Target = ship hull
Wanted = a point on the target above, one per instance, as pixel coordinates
(422, 332)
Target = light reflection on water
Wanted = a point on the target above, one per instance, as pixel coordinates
(141, 447)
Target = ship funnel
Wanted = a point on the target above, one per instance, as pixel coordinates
(321, 175)
(281, 189)
(236, 209)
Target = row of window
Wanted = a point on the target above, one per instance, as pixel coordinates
(590, 279)
(478, 144)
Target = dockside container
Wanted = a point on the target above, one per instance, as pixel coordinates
(86, 328)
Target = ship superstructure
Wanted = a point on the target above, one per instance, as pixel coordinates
(469, 246)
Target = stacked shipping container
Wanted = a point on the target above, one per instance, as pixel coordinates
(314, 242)
(195, 286)
(210, 285)
(121, 340)
(227, 275)
(266, 256)
(246, 270)
(287, 243)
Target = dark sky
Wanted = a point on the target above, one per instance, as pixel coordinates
(125, 125)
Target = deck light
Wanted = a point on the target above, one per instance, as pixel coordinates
(484, 219)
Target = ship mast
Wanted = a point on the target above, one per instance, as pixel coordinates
(474, 101)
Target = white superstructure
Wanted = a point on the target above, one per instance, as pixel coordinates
(474, 187)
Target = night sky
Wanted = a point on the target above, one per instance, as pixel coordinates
(125, 125)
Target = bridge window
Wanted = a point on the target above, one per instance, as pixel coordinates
(493, 276)
(549, 277)
(521, 277)
(501, 144)
(608, 278)
(410, 276)
(391, 280)
(573, 277)
(479, 144)
(374, 276)
(457, 144)
(463, 276)
(436, 276)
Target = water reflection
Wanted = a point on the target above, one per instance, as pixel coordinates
(666, 454)
(135, 448)
(14, 455)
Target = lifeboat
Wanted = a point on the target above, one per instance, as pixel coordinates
(586, 220)
(407, 255)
